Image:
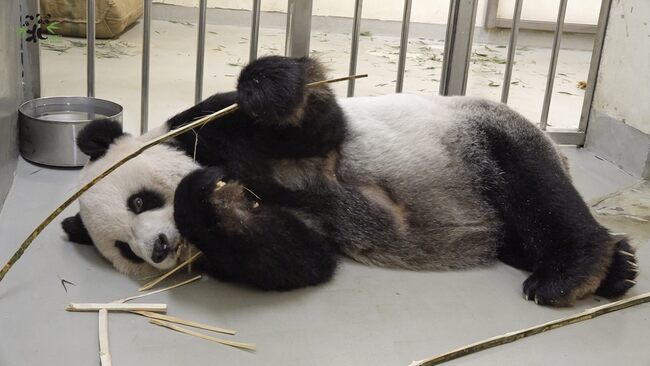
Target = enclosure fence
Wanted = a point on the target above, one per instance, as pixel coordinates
(456, 57)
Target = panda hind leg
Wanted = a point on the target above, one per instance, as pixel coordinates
(549, 230)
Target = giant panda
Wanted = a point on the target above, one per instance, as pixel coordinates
(273, 193)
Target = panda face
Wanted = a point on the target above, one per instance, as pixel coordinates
(129, 215)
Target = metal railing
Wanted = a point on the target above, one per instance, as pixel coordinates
(455, 68)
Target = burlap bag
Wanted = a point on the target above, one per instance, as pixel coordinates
(111, 16)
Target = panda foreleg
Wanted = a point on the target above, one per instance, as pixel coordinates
(244, 241)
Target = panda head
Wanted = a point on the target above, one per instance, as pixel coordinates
(128, 215)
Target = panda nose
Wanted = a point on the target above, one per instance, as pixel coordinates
(160, 248)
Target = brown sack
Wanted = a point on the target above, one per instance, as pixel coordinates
(111, 16)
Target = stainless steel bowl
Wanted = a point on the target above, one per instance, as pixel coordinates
(49, 127)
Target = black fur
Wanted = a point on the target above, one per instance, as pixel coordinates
(264, 246)
(149, 200)
(126, 252)
(74, 227)
(272, 90)
(548, 229)
(97, 136)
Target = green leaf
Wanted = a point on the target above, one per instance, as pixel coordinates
(52, 27)
(22, 30)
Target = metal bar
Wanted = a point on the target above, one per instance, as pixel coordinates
(458, 47)
(566, 137)
(255, 29)
(30, 56)
(90, 44)
(403, 45)
(200, 52)
(298, 28)
(592, 78)
(146, 49)
(354, 51)
(548, 93)
(512, 47)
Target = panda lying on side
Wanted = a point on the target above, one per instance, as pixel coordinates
(399, 180)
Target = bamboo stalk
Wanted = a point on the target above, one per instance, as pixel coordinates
(173, 319)
(112, 306)
(104, 351)
(174, 270)
(248, 346)
(517, 335)
(180, 130)
(158, 291)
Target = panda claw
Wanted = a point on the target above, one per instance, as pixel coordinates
(626, 253)
(632, 282)
(633, 264)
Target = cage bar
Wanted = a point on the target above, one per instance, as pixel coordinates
(146, 51)
(200, 52)
(403, 45)
(255, 29)
(548, 93)
(90, 44)
(512, 47)
(354, 49)
(298, 28)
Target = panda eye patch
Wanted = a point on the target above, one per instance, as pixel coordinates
(145, 200)
(127, 253)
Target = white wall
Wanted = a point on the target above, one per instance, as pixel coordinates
(623, 88)
(578, 11)
(423, 11)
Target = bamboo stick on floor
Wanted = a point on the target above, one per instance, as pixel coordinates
(114, 306)
(158, 291)
(517, 335)
(248, 346)
(173, 319)
(104, 350)
(173, 133)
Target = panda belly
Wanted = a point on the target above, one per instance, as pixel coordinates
(426, 211)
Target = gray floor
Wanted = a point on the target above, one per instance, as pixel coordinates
(365, 316)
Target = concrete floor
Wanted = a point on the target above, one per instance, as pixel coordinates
(173, 58)
(365, 316)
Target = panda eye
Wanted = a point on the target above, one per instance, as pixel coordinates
(137, 204)
(145, 200)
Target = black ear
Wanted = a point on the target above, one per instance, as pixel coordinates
(97, 136)
(74, 227)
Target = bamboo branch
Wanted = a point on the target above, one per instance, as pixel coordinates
(248, 346)
(517, 335)
(158, 291)
(173, 319)
(113, 306)
(174, 270)
(178, 131)
(104, 351)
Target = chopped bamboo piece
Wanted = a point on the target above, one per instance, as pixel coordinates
(113, 306)
(517, 335)
(248, 346)
(153, 283)
(173, 319)
(158, 291)
(173, 133)
(104, 352)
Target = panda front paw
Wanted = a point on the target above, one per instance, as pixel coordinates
(271, 88)
(193, 212)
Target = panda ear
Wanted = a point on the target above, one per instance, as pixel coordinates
(97, 136)
(74, 227)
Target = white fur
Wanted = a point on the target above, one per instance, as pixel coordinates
(104, 207)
